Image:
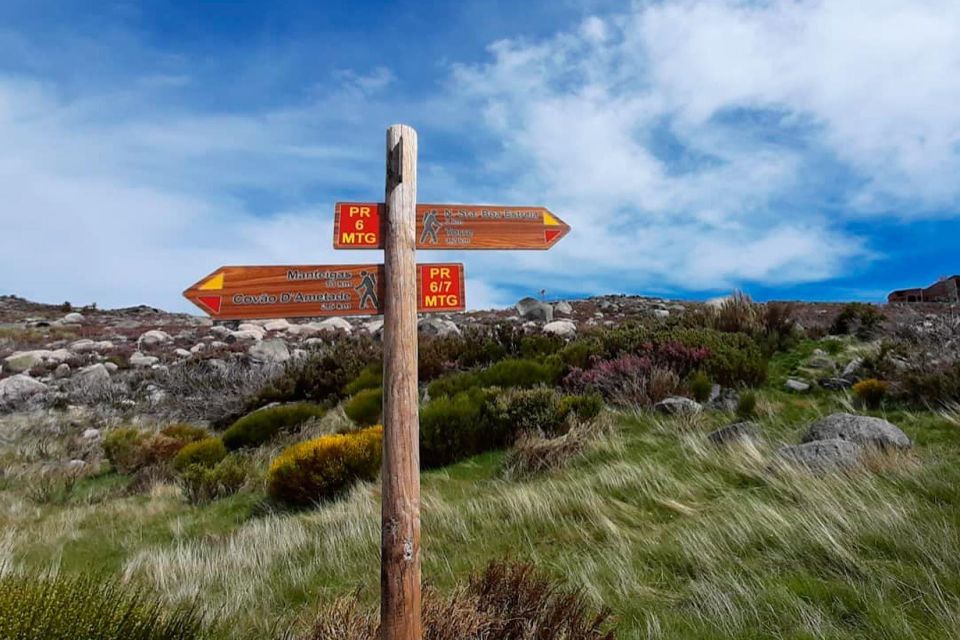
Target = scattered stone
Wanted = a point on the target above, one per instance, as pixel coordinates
(277, 325)
(563, 308)
(245, 334)
(677, 405)
(374, 327)
(91, 434)
(269, 352)
(83, 346)
(22, 361)
(182, 353)
(73, 318)
(723, 398)
(140, 361)
(563, 328)
(112, 367)
(433, 326)
(62, 371)
(533, 309)
(94, 374)
(864, 430)
(334, 324)
(197, 348)
(76, 465)
(852, 369)
(220, 331)
(835, 384)
(792, 384)
(736, 432)
(661, 313)
(823, 455)
(19, 387)
(154, 337)
(821, 362)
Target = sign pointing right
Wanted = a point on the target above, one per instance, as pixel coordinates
(359, 225)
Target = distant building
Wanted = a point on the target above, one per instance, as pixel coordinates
(945, 290)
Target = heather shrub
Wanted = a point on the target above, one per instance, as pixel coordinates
(503, 602)
(130, 450)
(205, 453)
(201, 483)
(539, 346)
(323, 376)
(365, 407)
(185, 432)
(930, 388)
(584, 408)
(538, 410)
(370, 378)
(629, 380)
(871, 392)
(455, 427)
(438, 355)
(700, 386)
(322, 468)
(119, 447)
(747, 404)
(857, 318)
(264, 424)
(88, 608)
(506, 373)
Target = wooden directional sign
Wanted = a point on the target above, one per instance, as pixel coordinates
(359, 225)
(240, 293)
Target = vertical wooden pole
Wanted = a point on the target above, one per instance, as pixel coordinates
(400, 513)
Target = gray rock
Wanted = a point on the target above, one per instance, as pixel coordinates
(334, 324)
(141, 361)
(154, 337)
(563, 308)
(73, 318)
(94, 374)
(852, 369)
(562, 328)
(434, 326)
(277, 325)
(823, 455)
(533, 309)
(835, 383)
(374, 327)
(83, 346)
(269, 352)
(676, 405)
(22, 361)
(91, 434)
(864, 430)
(19, 387)
(723, 398)
(660, 313)
(181, 353)
(736, 432)
(75, 465)
(251, 335)
(821, 363)
(792, 384)
(111, 367)
(62, 371)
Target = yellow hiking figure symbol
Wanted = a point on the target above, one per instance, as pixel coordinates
(368, 290)
(430, 228)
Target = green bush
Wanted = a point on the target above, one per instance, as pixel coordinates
(185, 432)
(747, 404)
(319, 469)
(365, 407)
(201, 483)
(370, 378)
(454, 427)
(585, 408)
(88, 608)
(858, 318)
(700, 386)
(505, 374)
(263, 425)
(535, 410)
(870, 392)
(205, 453)
(120, 448)
(582, 353)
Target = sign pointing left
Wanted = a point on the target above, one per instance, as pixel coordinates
(304, 291)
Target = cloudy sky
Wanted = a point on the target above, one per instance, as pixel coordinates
(793, 148)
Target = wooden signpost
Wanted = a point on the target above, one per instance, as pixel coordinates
(306, 291)
(359, 225)
(398, 289)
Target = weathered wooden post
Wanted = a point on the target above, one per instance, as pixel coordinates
(400, 512)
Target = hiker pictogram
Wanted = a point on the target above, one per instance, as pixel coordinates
(368, 290)
(430, 228)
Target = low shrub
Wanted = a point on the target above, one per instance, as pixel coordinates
(88, 607)
(505, 374)
(205, 453)
(130, 450)
(119, 447)
(504, 602)
(541, 410)
(858, 318)
(929, 388)
(201, 483)
(370, 378)
(585, 408)
(185, 432)
(264, 424)
(366, 407)
(747, 404)
(700, 386)
(871, 392)
(455, 427)
(625, 381)
(322, 468)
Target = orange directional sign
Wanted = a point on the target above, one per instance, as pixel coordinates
(240, 293)
(358, 225)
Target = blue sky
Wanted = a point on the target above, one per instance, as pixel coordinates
(793, 148)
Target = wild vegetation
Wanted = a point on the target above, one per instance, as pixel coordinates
(567, 491)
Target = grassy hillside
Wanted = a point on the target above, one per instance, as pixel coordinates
(679, 539)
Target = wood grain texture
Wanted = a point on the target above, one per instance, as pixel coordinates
(308, 291)
(400, 513)
(469, 227)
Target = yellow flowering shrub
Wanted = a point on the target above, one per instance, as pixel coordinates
(318, 469)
